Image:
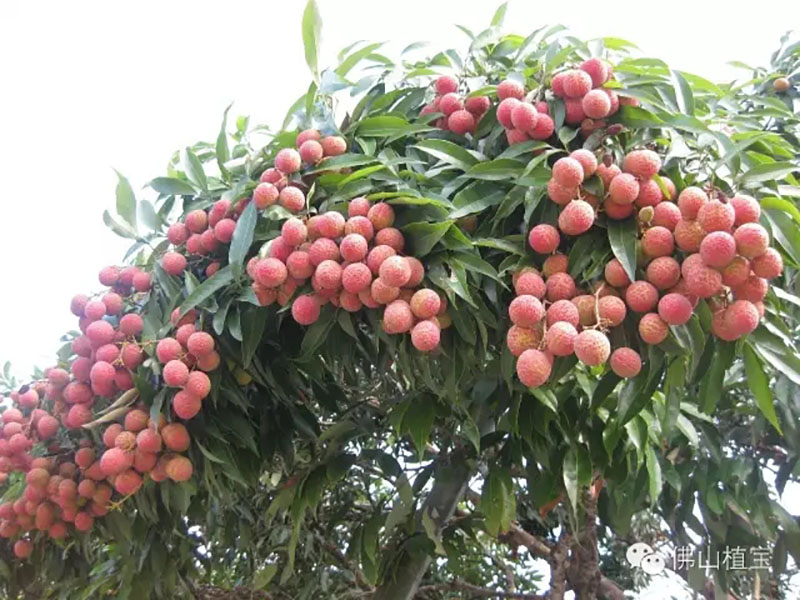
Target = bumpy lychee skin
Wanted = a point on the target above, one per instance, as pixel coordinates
(397, 317)
(461, 122)
(663, 272)
(533, 368)
(716, 216)
(653, 329)
(555, 263)
(612, 310)
(690, 201)
(560, 338)
(689, 235)
(560, 286)
(425, 336)
(450, 103)
(323, 249)
(525, 311)
(395, 271)
(446, 84)
(607, 173)
(292, 199)
(333, 145)
(510, 89)
(270, 272)
(311, 152)
(358, 207)
(198, 384)
(115, 460)
(559, 194)
(641, 296)
(592, 347)
(175, 373)
(615, 274)
(596, 104)
(179, 469)
(288, 160)
(353, 247)
(625, 362)
(545, 127)
(597, 70)
(703, 281)
(752, 240)
(23, 549)
(641, 163)
(544, 238)
(718, 249)
(200, 343)
(524, 116)
(577, 83)
(746, 209)
(586, 305)
(616, 211)
(574, 111)
(530, 282)
(305, 309)
(768, 265)
(576, 218)
(753, 289)
(175, 437)
(519, 339)
(568, 172)
(736, 272)
(425, 304)
(658, 241)
(666, 214)
(675, 309)
(587, 160)
(356, 277)
(649, 194)
(505, 110)
(741, 317)
(392, 237)
(623, 189)
(381, 292)
(563, 310)
(721, 327)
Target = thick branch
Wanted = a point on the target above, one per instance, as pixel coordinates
(477, 591)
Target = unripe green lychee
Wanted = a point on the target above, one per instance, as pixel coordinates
(533, 368)
(625, 362)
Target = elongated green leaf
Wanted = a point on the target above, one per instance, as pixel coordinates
(253, 322)
(172, 186)
(194, 169)
(121, 229)
(622, 236)
(570, 472)
(496, 170)
(382, 126)
(759, 385)
(311, 27)
(205, 290)
(424, 236)
(654, 473)
(242, 238)
(714, 379)
(683, 93)
(448, 152)
(354, 58)
(223, 153)
(126, 201)
(768, 171)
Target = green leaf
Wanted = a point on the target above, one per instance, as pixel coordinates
(424, 236)
(622, 236)
(194, 169)
(759, 384)
(499, 15)
(570, 473)
(714, 379)
(311, 26)
(206, 289)
(448, 152)
(418, 420)
(383, 126)
(654, 473)
(253, 322)
(222, 151)
(242, 239)
(126, 201)
(121, 229)
(768, 172)
(263, 576)
(351, 61)
(498, 503)
(496, 170)
(683, 93)
(172, 186)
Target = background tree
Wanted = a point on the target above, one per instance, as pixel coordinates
(338, 460)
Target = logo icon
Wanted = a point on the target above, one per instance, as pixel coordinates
(643, 556)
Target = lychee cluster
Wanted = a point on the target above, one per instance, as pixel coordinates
(460, 115)
(75, 484)
(352, 262)
(551, 318)
(522, 119)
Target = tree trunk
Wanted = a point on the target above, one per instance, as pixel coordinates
(451, 480)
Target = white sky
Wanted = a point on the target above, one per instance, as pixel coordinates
(89, 86)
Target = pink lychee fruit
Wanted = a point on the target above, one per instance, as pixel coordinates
(544, 238)
(560, 338)
(623, 189)
(305, 309)
(690, 201)
(641, 163)
(641, 296)
(592, 347)
(577, 218)
(425, 336)
(653, 329)
(752, 240)
(533, 368)
(625, 362)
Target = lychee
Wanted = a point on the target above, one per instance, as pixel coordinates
(353, 247)
(545, 127)
(555, 263)
(653, 329)
(649, 194)
(397, 317)
(576, 218)
(292, 199)
(197, 221)
(703, 281)
(597, 70)
(305, 309)
(690, 201)
(675, 309)
(718, 249)
(186, 405)
(625, 362)
(612, 310)
(461, 122)
(323, 249)
(360, 225)
(615, 274)
(746, 209)
(175, 437)
(559, 194)
(689, 235)
(115, 460)
(568, 172)
(563, 310)
(596, 104)
(663, 272)
(381, 292)
(560, 338)
(560, 286)
(525, 311)
(509, 88)
(425, 336)
(395, 271)
(543, 238)
(641, 163)
(356, 277)
(592, 347)
(741, 317)
(753, 289)
(768, 265)
(425, 304)
(716, 216)
(529, 282)
(623, 189)
(641, 296)
(381, 215)
(287, 160)
(446, 84)
(265, 194)
(450, 103)
(270, 272)
(311, 152)
(576, 83)
(179, 468)
(294, 231)
(752, 240)
(519, 339)
(524, 116)
(504, 111)
(736, 272)
(333, 145)
(658, 241)
(392, 237)
(666, 214)
(533, 368)
(358, 207)
(200, 343)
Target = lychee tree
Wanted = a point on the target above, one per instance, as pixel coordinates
(537, 294)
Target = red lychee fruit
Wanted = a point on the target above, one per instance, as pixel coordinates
(425, 304)
(358, 207)
(270, 272)
(198, 384)
(305, 135)
(592, 347)
(690, 201)
(425, 336)
(559, 194)
(555, 263)
(576, 218)
(768, 265)
(149, 440)
(446, 84)
(311, 152)
(128, 482)
(641, 296)
(574, 111)
(526, 311)
(519, 339)
(545, 127)
(666, 214)
(417, 272)
(563, 310)
(323, 249)
(625, 362)
(753, 289)
(175, 437)
(560, 338)
(397, 317)
(177, 234)
(752, 240)
(504, 111)
(298, 265)
(663, 272)
(333, 145)
(596, 104)
(587, 160)
(292, 199)
(675, 309)
(560, 286)
(718, 249)
(186, 405)
(716, 216)
(658, 241)
(200, 343)
(175, 373)
(623, 189)
(353, 247)
(703, 281)
(689, 235)
(741, 318)
(736, 272)
(745, 208)
(477, 105)
(544, 238)
(115, 460)
(597, 70)
(381, 215)
(23, 549)
(641, 163)
(395, 271)
(179, 468)
(529, 282)
(615, 274)
(293, 232)
(653, 329)
(510, 89)
(568, 172)
(533, 368)
(224, 229)
(265, 194)
(136, 420)
(173, 263)
(356, 277)
(287, 160)
(612, 310)
(305, 309)
(650, 194)
(197, 221)
(524, 116)
(576, 83)
(461, 122)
